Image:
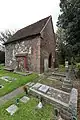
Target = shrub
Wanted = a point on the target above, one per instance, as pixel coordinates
(2, 57)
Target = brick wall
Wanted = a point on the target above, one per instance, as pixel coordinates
(47, 44)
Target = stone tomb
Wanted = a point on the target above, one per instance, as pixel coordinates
(12, 109)
(24, 99)
(8, 78)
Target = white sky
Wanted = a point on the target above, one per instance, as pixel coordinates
(16, 14)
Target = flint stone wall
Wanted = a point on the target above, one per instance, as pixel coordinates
(41, 47)
(31, 47)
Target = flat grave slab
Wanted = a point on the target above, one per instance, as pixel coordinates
(24, 99)
(23, 73)
(36, 86)
(8, 78)
(12, 109)
(30, 84)
(44, 88)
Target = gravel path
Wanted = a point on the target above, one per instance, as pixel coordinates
(14, 93)
(10, 95)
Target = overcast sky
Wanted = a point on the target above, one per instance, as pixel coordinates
(16, 14)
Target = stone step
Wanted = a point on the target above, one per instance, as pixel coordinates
(9, 69)
(67, 84)
(56, 78)
(58, 74)
(23, 73)
(67, 81)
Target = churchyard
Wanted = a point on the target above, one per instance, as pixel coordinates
(26, 110)
(10, 81)
(58, 93)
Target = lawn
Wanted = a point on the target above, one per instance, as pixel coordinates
(27, 111)
(53, 83)
(20, 80)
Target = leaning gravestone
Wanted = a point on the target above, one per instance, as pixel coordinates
(12, 109)
(24, 99)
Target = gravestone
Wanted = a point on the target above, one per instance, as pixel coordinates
(45, 65)
(24, 99)
(36, 86)
(44, 88)
(12, 109)
(67, 85)
(73, 102)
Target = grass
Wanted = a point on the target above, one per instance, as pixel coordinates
(53, 83)
(10, 86)
(61, 68)
(27, 111)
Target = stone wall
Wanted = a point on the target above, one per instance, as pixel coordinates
(47, 44)
(31, 47)
(37, 50)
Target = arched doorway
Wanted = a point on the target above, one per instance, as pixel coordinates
(50, 59)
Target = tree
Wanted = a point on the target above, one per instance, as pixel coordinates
(5, 36)
(60, 45)
(69, 20)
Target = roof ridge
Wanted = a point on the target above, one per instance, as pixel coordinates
(30, 30)
(35, 22)
(46, 24)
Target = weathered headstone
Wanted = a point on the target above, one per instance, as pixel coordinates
(73, 102)
(67, 85)
(44, 88)
(12, 109)
(24, 99)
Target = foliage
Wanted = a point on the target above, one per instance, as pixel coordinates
(60, 46)
(78, 68)
(61, 68)
(27, 111)
(5, 36)
(69, 20)
(64, 50)
(10, 86)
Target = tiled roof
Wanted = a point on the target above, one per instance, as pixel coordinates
(31, 30)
